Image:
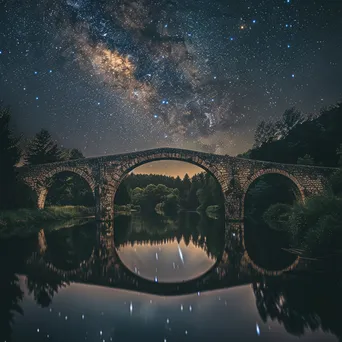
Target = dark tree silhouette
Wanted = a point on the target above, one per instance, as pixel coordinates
(9, 157)
(42, 149)
(71, 154)
(301, 304)
(43, 284)
(10, 297)
(319, 137)
(122, 195)
(306, 160)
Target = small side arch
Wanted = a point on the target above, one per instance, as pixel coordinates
(265, 172)
(43, 191)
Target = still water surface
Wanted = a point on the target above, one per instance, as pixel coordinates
(95, 283)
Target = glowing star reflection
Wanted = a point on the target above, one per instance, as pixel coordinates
(180, 254)
(131, 308)
(257, 329)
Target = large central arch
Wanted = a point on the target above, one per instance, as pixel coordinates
(136, 162)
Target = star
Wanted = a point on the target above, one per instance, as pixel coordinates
(148, 73)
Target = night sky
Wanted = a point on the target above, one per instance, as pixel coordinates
(122, 75)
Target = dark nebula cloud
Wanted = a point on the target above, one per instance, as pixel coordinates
(113, 76)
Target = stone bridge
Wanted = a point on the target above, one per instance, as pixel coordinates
(104, 175)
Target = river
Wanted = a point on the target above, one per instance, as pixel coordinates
(158, 278)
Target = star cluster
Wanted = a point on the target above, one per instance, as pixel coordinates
(113, 76)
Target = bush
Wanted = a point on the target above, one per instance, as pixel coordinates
(25, 217)
(213, 211)
(325, 237)
(315, 226)
(336, 183)
(277, 216)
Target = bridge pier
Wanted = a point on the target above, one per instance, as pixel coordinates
(233, 207)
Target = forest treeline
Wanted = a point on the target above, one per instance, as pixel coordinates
(170, 194)
(299, 139)
(199, 229)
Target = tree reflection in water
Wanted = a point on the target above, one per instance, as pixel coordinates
(301, 303)
(202, 231)
(43, 286)
(10, 297)
(12, 257)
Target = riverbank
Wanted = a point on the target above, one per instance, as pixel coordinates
(126, 209)
(24, 221)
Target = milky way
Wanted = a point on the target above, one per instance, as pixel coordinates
(114, 76)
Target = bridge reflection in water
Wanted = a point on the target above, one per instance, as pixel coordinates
(87, 255)
(104, 267)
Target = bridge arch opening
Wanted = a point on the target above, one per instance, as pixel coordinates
(67, 188)
(265, 247)
(67, 249)
(169, 222)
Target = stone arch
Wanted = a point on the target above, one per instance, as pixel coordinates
(264, 271)
(262, 172)
(133, 163)
(43, 191)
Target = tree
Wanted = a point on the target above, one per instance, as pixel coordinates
(264, 133)
(192, 200)
(277, 216)
(42, 149)
(170, 204)
(306, 160)
(186, 184)
(319, 137)
(336, 182)
(339, 154)
(71, 154)
(122, 195)
(290, 119)
(259, 134)
(9, 157)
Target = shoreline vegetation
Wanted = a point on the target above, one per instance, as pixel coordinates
(212, 211)
(23, 222)
(168, 196)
